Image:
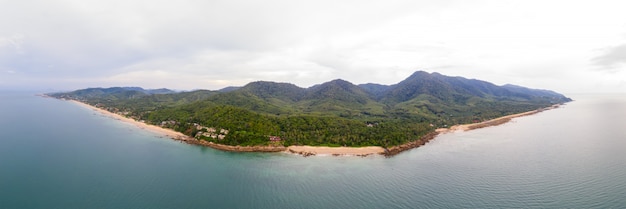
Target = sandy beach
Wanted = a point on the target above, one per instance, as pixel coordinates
(356, 151)
(492, 122)
(364, 151)
(159, 130)
(303, 150)
(314, 150)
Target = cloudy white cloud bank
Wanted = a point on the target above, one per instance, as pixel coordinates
(64, 44)
(612, 59)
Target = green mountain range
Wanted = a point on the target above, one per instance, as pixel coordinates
(335, 113)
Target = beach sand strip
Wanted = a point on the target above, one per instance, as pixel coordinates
(315, 150)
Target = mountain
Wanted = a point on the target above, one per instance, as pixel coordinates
(339, 97)
(419, 83)
(282, 91)
(523, 91)
(229, 89)
(375, 90)
(117, 92)
(337, 90)
(334, 113)
(160, 91)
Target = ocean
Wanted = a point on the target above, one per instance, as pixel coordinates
(57, 154)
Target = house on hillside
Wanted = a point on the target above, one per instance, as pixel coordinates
(223, 131)
(275, 138)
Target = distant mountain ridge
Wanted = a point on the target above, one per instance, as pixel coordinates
(422, 90)
(446, 88)
(120, 91)
(420, 83)
(422, 93)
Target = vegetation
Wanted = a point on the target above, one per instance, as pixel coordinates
(336, 113)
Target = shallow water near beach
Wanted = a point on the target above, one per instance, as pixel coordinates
(56, 154)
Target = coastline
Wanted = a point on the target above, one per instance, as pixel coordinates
(462, 127)
(314, 150)
(301, 150)
(492, 122)
(155, 129)
(335, 151)
(180, 136)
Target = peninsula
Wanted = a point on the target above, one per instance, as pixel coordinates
(333, 118)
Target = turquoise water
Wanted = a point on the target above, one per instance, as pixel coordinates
(56, 154)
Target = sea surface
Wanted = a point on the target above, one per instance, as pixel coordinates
(56, 154)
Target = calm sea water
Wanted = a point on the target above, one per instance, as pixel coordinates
(55, 154)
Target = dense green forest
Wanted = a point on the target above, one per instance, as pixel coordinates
(335, 113)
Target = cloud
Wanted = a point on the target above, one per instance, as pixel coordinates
(104, 38)
(611, 59)
(13, 43)
(209, 44)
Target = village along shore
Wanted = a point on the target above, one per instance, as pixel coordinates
(311, 150)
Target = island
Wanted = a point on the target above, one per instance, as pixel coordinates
(332, 118)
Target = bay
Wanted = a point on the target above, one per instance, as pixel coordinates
(56, 154)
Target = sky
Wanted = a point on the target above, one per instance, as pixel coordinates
(566, 46)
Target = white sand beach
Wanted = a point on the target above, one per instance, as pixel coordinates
(156, 129)
(336, 150)
(304, 150)
(492, 122)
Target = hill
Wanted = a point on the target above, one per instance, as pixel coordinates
(335, 113)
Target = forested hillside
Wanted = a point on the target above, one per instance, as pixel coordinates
(335, 113)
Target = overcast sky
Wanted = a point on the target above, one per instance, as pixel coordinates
(566, 46)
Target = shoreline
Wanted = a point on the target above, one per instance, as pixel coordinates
(335, 151)
(492, 122)
(461, 127)
(155, 129)
(177, 135)
(313, 150)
